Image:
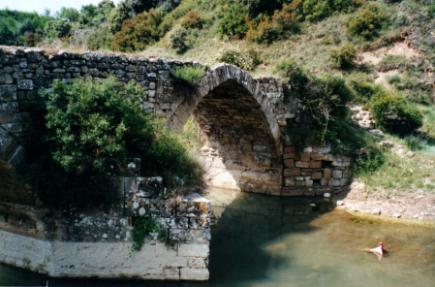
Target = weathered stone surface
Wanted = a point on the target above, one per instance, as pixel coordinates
(242, 119)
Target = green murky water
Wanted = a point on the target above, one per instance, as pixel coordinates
(263, 241)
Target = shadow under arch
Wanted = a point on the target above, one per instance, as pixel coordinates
(241, 136)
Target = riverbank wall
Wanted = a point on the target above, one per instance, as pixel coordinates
(101, 245)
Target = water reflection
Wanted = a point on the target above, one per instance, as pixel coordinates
(265, 241)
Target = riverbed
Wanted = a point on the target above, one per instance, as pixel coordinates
(267, 241)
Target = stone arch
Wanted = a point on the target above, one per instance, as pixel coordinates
(267, 92)
(235, 115)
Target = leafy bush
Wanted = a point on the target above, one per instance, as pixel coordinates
(189, 74)
(93, 122)
(316, 10)
(59, 28)
(7, 37)
(344, 56)
(370, 159)
(234, 20)
(413, 142)
(367, 22)
(295, 75)
(257, 7)
(142, 226)
(364, 91)
(323, 109)
(101, 39)
(137, 33)
(431, 10)
(282, 24)
(21, 28)
(180, 40)
(414, 87)
(394, 79)
(94, 125)
(192, 20)
(244, 60)
(395, 114)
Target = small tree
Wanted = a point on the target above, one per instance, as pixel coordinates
(344, 56)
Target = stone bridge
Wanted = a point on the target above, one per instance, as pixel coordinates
(242, 120)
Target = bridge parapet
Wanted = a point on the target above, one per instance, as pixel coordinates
(244, 117)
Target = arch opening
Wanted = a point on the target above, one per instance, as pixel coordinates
(239, 151)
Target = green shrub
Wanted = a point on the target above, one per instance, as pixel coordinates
(431, 10)
(414, 87)
(139, 32)
(395, 114)
(344, 56)
(142, 227)
(244, 60)
(323, 108)
(281, 25)
(413, 143)
(95, 124)
(101, 39)
(316, 10)
(233, 21)
(192, 20)
(189, 74)
(180, 41)
(367, 23)
(295, 75)
(59, 28)
(7, 37)
(364, 91)
(370, 158)
(394, 79)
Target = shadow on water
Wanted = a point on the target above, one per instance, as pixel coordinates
(250, 227)
(242, 234)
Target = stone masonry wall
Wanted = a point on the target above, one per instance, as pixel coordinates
(100, 244)
(243, 118)
(314, 171)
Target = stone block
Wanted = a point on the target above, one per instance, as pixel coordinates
(289, 182)
(302, 164)
(197, 250)
(194, 274)
(337, 173)
(292, 172)
(317, 156)
(8, 93)
(288, 155)
(316, 175)
(324, 182)
(327, 173)
(315, 164)
(25, 84)
(289, 162)
(305, 156)
(335, 182)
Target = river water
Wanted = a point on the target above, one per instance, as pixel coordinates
(262, 241)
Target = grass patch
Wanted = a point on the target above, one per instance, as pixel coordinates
(189, 74)
(402, 175)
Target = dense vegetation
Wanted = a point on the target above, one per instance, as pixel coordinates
(317, 45)
(89, 131)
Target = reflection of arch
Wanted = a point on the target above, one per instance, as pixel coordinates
(236, 117)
